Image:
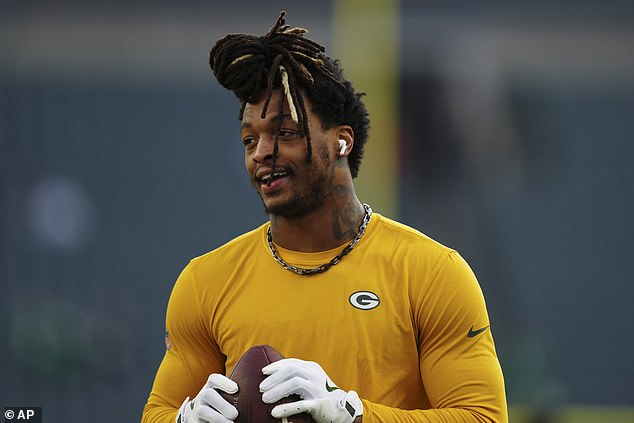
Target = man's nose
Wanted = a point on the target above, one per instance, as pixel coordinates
(264, 149)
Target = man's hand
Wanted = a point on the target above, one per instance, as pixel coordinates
(321, 398)
(209, 406)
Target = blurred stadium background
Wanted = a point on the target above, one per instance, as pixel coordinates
(503, 129)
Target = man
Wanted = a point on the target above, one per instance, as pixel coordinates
(382, 323)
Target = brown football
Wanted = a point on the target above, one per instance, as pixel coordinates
(247, 373)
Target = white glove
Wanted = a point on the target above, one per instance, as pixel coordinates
(209, 406)
(321, 398)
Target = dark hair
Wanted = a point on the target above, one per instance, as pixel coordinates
(283, 58)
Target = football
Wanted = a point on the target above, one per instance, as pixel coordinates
(247, 373)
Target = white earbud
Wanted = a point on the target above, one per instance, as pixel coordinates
(342, 147)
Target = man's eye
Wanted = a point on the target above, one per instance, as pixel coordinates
(289, 133)
(248, 141)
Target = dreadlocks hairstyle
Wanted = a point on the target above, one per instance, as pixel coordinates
(283, 58)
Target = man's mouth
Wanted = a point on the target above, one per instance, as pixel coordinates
(271, 180)
(268, 178)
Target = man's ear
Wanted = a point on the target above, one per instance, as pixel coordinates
(345, 140)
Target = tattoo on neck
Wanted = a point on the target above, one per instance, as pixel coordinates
(345, 222)
(340, 228)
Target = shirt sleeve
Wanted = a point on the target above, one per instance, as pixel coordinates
(458, 363)
(191, 354)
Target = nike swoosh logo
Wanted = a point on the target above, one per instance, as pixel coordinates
(330, 388)
(473, 333)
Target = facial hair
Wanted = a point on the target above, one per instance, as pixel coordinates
(308, 199)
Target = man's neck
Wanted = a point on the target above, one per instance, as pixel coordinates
(333, 224)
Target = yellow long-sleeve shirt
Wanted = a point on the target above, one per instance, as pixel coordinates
(401, 320)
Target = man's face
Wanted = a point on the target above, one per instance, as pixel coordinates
(293, 188)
